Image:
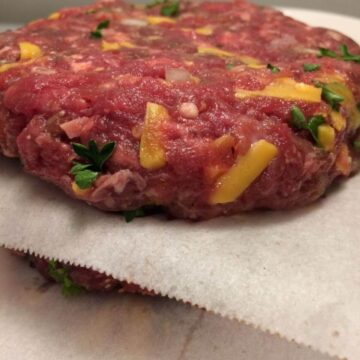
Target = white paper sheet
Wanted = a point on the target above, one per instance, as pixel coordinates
(37, 323)
(295, 273)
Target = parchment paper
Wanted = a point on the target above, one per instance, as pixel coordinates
(294, 273)
(37, 323)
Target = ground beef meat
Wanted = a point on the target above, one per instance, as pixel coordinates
(87, 279)
(221, 78)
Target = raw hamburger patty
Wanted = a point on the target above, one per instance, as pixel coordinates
(80, 277)
(224, 108)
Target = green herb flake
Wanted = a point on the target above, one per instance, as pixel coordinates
(93, 154)
(311, 67)
(344, 55)
(86, 174)
(347, 56)
(155, 3)
(97, 34)
(85, 179)
(170, 9)
(61, 276)
(274, 69)
(230, 66)
(130, 215)
(146, 210)
(323, 52)
(298, 120)
(356, 145)
(333, 99)
(313, 126)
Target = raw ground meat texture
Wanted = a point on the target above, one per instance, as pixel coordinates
(200, 106)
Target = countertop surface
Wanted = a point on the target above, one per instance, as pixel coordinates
(26, 10)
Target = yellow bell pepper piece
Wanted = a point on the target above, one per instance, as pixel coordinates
(243, 173)
(80, 193)
(338, 121)
(7, 67)
(214, 51)
(251, 62)
(152, 153)
(344, 160)
(108, 46)
(156, 20)
(326, 135)
(224, 142)
(206, 30)
(54, 16)
(284, 88)
(29, 51)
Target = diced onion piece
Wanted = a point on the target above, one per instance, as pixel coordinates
(156, 20)
(338, 121)
(54, 16)
(285, 88)
(134, 22)
(214, 51)
(177, 75)
(152, 153)
(189, 110)
(29, 51)
(206, 30)
(343, 160)
(326, 135)
(74, 128)
(243, 173)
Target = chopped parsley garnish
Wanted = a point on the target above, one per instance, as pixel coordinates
(61, 276)
(86, 174)
(347, 56)
(130, 215)
(274, 69)
(329, 96)
(344, 54)
(311, 67)
(168, 8)
(230, 66)
(155, 3)
(299, 121)
(97, 33)
(327, 53)
(356, 145)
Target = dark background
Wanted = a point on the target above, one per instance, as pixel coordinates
(25, 10)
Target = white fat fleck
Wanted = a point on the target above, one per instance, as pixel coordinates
(189, 110)
(133, 22)
(42, 71)
(335, 35)
(283, 42)
(4, 49)
(81, 66)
